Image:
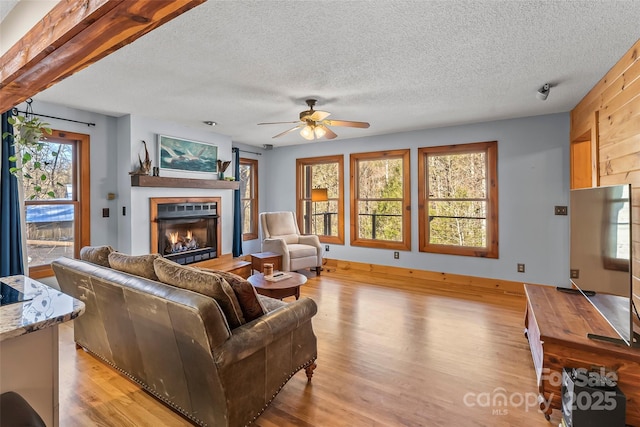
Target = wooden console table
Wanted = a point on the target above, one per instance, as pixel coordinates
(556, 325)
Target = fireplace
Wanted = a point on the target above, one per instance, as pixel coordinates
(185, 230)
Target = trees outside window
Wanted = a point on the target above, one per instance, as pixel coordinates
(458, 199)
(380, 200)
(249, 198)
(320, 212)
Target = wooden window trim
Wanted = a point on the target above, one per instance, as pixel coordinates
(300, 199)
(253, 163)
(81, 201)
(491, 150)
(356, 240)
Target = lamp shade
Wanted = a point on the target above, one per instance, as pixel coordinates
(319, 195)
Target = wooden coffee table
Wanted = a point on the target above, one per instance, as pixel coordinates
(281, 289)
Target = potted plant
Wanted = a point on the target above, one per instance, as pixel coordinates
(31, 159)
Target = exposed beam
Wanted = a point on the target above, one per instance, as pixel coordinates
(74, 35)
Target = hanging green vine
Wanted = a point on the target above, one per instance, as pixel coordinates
(28, 140)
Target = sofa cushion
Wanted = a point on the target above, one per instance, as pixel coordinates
(96, 254)
(246, 294)
(202, 282)
(138, 265)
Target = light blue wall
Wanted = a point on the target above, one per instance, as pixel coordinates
(533, 177)
(533, 174)
(137, 241)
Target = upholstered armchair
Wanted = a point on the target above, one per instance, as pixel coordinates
(280, 234)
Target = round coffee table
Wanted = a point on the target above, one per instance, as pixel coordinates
(281, 289)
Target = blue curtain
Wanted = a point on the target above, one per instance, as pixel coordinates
(10, 234)
(237, 220)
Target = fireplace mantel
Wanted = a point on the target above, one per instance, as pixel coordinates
(168, 182)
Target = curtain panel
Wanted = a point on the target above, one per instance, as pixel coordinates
(237, 208)
(11, 254)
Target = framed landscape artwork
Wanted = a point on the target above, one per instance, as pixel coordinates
(186, 155)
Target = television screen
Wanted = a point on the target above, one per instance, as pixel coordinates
(601, 253)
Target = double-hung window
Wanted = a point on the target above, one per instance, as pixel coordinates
(458, 199)
(249, 198)
(58, 224)
(320, 197)
(380, 200)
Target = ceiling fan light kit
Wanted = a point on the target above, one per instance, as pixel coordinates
(313, 124)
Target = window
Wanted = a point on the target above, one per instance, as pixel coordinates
(617, 229)
(458, 199)
(320, 200)
(59, 226)
(249, 198)
(380, 200)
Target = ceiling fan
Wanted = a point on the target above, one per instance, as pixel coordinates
(313, 124)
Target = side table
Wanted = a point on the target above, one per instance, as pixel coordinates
(260, 259)
(289, 287)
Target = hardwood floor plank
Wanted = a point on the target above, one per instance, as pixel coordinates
(392, 351)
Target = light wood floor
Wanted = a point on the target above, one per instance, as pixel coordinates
(390, 353)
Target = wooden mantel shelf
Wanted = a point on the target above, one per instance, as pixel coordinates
(161, 181)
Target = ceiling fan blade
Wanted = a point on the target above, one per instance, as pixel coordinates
(346, 123)
(329, 134)
(290, 130)
(318, 115)
(279, 123)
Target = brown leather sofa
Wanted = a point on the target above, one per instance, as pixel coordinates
(178, 346)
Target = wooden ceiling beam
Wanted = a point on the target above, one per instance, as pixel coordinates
(74, 35)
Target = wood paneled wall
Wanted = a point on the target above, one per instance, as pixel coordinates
(608, 121)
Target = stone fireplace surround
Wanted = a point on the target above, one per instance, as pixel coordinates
(188, 203)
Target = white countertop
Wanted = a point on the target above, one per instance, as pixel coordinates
(45, 307)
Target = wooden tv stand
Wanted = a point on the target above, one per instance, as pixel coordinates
(556, 325)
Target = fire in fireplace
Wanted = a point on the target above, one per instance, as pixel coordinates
(187, 232)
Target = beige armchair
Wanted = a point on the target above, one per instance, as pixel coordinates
(280, 234)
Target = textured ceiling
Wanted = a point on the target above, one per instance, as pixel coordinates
(6, 6)
(400, 65)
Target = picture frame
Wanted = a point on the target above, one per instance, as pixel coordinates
(181, 154)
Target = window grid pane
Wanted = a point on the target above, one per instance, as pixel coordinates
(460, 176)
(50, 232)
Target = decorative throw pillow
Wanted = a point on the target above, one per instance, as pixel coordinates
(202, 282)
(247, 297)
(138, 265)
(96, 254)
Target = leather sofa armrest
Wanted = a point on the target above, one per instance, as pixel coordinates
(253, 336)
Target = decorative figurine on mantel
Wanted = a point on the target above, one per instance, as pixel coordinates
(145, 166)
(222, 166)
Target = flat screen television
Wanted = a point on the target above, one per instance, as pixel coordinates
(600, 253)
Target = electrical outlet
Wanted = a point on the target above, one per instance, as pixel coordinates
(520, 268)
(326, 248)
(574, 274)
(560, 210)
(396, 255)
(105, 212)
